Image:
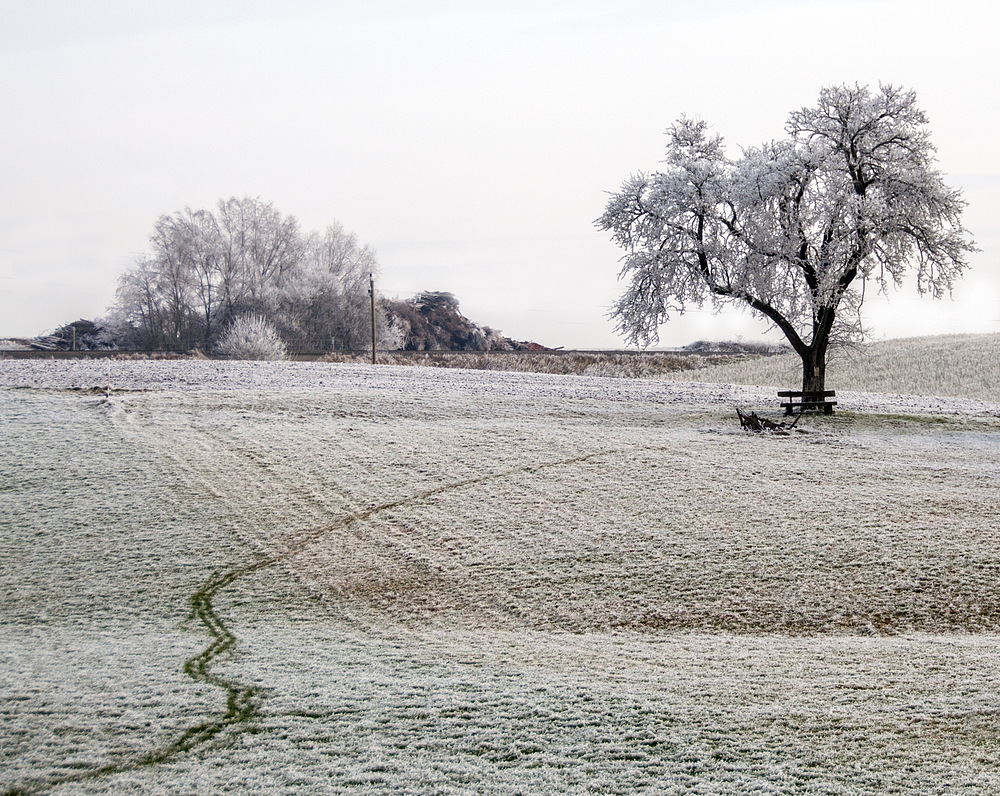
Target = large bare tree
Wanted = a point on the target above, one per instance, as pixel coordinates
(795, 229)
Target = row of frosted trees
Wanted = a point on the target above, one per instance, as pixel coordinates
(208, 269)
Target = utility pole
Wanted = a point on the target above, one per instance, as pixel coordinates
(371, 292)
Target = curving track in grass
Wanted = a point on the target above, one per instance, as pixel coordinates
(243, 701)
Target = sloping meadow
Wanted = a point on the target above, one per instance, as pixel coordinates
(317, 578)
(963, 366)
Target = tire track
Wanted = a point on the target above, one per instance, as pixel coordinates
(243, 701)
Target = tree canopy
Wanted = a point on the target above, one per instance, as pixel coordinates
(794, 229)
(207, 269)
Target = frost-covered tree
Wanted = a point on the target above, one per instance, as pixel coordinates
(206, 269)
(325, 302)
(258, 248)
(795, 229)
(186, 251)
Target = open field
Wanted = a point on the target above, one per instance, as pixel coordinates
(315, 578)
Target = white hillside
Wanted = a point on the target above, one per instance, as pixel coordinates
(962, 366)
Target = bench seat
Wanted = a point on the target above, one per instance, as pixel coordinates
(798, 401)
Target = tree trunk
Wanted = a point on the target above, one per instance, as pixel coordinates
(814, 367)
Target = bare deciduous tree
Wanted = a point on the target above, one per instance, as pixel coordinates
(331, 289)
(793, 229)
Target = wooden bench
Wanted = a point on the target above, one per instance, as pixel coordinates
(798, 402)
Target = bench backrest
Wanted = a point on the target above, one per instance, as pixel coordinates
(810, 396)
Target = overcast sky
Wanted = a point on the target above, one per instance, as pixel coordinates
(471, 144)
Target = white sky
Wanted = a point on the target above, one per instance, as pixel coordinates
(472, 144)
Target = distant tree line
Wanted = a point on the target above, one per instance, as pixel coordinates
(246, 281)
(208, 269)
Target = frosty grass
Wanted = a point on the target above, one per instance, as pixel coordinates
(443, 582)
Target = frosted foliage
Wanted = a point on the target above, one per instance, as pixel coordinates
(251, 337)
(793, 229)
(208, 268)
(453, 582)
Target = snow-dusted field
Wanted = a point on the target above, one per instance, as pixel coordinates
(305, 578)
(964, 365)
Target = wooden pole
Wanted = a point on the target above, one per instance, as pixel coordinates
(371, 292)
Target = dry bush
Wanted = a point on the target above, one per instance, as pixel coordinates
(251, 337)
(127, 356)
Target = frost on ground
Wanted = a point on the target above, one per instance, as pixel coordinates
(947, 365)
(454, 582)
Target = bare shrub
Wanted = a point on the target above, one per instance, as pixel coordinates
(251, 337)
